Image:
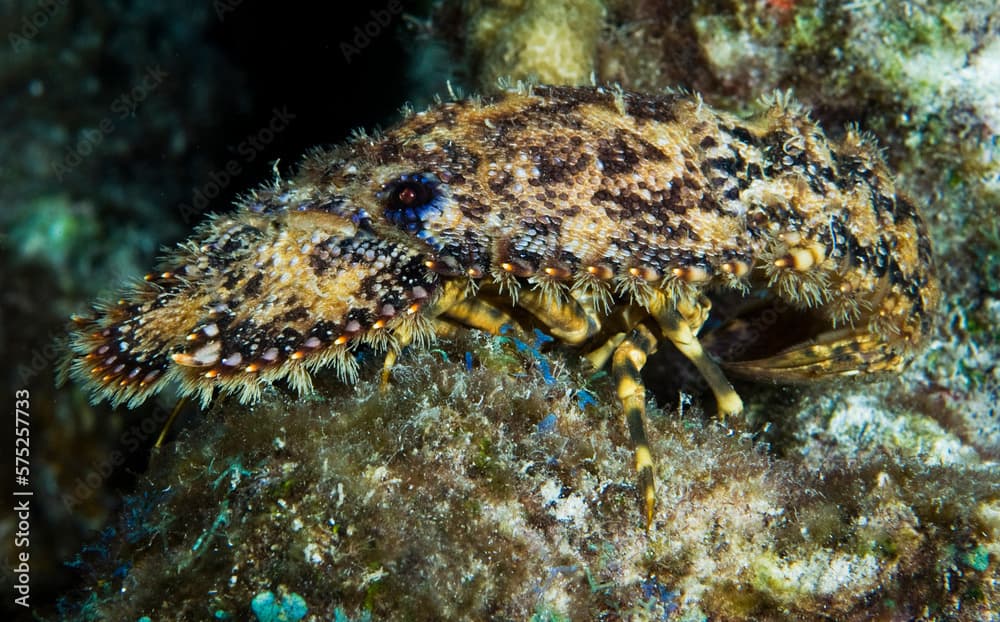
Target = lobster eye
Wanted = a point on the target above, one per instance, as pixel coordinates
(411, 200)
(410, 194)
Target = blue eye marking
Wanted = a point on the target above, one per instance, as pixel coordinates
(412, 201)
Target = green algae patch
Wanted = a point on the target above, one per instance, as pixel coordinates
(978, 558)
(268, 608)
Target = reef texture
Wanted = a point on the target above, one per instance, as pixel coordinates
(545, 42)
(496, 488)
(501, 487)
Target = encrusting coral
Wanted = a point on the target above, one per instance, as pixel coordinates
(546, 42)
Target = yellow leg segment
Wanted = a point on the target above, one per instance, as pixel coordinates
(567, 320)
(443, 327)
(453, 293)
(626, 366)
(600, 355)
(479, 314)
(622, 321)
(387, 365)
(678, 330)
(695, 313)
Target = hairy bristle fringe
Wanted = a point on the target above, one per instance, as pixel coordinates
(637, 289)
(737, 283)
(588, 287)
(506, 281)
(300, 379)
(846, 310)
(678, 290)
(552, 291)
(804, 289)
(379, 340)
(416, 330)
(340, 358)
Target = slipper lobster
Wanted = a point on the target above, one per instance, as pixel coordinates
(606, 217)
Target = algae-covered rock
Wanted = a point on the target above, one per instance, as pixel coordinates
(491, 481)
(546, 42)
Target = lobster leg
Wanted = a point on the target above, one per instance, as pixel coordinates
(480, 314)
(566, 317)
(678, 330)
(626, 367)
(455, 307)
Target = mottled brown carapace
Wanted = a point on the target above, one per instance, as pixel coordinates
(606, 217)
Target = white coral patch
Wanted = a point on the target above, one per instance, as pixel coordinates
(824, 573)
(862, 420)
